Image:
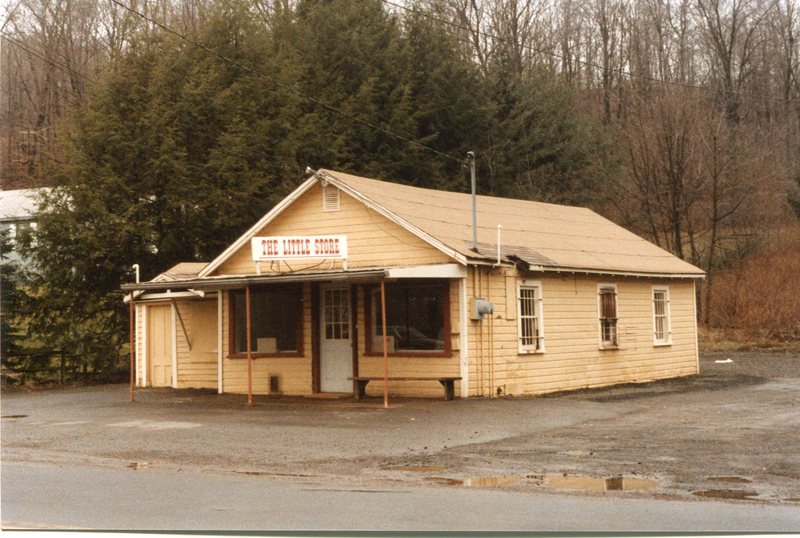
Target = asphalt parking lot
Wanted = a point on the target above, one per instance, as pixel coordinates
(732, 433)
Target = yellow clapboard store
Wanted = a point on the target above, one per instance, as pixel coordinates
(352, 285)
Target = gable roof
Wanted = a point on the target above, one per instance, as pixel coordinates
(181, 271)
(546, 237)
(20, 204)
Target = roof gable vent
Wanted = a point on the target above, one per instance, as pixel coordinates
(330, 198)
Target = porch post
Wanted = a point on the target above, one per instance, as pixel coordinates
(385, 351)
(219, 342)
(132, 347)
(249, 347)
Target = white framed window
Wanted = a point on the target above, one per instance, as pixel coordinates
(529, 316)
(662, 325)
(607, 315)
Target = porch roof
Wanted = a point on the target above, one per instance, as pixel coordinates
(239, 281)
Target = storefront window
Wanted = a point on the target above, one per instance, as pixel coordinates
(416, 318)
(275, 318)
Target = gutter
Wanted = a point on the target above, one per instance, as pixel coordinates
(218, 283)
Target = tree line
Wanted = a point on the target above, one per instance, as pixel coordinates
(170, 126)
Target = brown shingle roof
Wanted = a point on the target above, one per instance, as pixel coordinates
(546, 235)
(181, 271)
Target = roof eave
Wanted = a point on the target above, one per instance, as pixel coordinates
(614, 272)
(266, 219)
(239, 281)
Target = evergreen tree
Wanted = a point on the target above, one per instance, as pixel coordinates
(10, 331)
(179, 150)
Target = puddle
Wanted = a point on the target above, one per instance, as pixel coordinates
(14, 416)
(595, 483)
(271, 473)
(740, 494)
(475, 482)
(138, 465)
(583, 483)
(489, 481)
(445, 481)
(730, 479)
(418, 468)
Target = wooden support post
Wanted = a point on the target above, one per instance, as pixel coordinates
(132, 348)
(385, 347)
(249, 347)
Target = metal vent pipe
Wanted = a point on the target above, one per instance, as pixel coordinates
(471, 157)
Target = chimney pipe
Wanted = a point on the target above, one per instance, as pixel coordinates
(471, 157)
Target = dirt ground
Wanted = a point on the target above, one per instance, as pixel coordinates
(732, 433)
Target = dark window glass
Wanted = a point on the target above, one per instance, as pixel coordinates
(415, 317)
(275, 316)
(608, 316)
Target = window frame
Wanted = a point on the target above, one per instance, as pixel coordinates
(444, 353)
(233, 354)
(667, 338)
(607, 344)
(538, 306)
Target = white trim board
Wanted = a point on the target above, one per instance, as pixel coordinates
(432, 241)
(443, 270)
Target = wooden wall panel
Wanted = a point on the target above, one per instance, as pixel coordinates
(373, 241)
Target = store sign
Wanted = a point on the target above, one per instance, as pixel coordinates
(293, 247)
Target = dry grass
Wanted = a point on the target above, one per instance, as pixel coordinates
(757, 303)
(740, 340)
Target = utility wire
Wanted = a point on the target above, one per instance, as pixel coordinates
(628, 73)
(289, 88)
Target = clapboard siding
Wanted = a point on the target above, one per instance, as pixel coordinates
(140, 343)
(197, 366)
(373, 240)
(572, 358)
(294, 372)
(409, 365)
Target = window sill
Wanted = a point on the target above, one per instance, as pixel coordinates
(609, 348)
(662, 344)
(530, 352)
(287, 355)
(411, 354)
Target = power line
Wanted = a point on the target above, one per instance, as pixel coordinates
(593, 65)
(290, 88)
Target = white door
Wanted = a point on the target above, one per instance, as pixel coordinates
(159, 346)
(336, 352)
